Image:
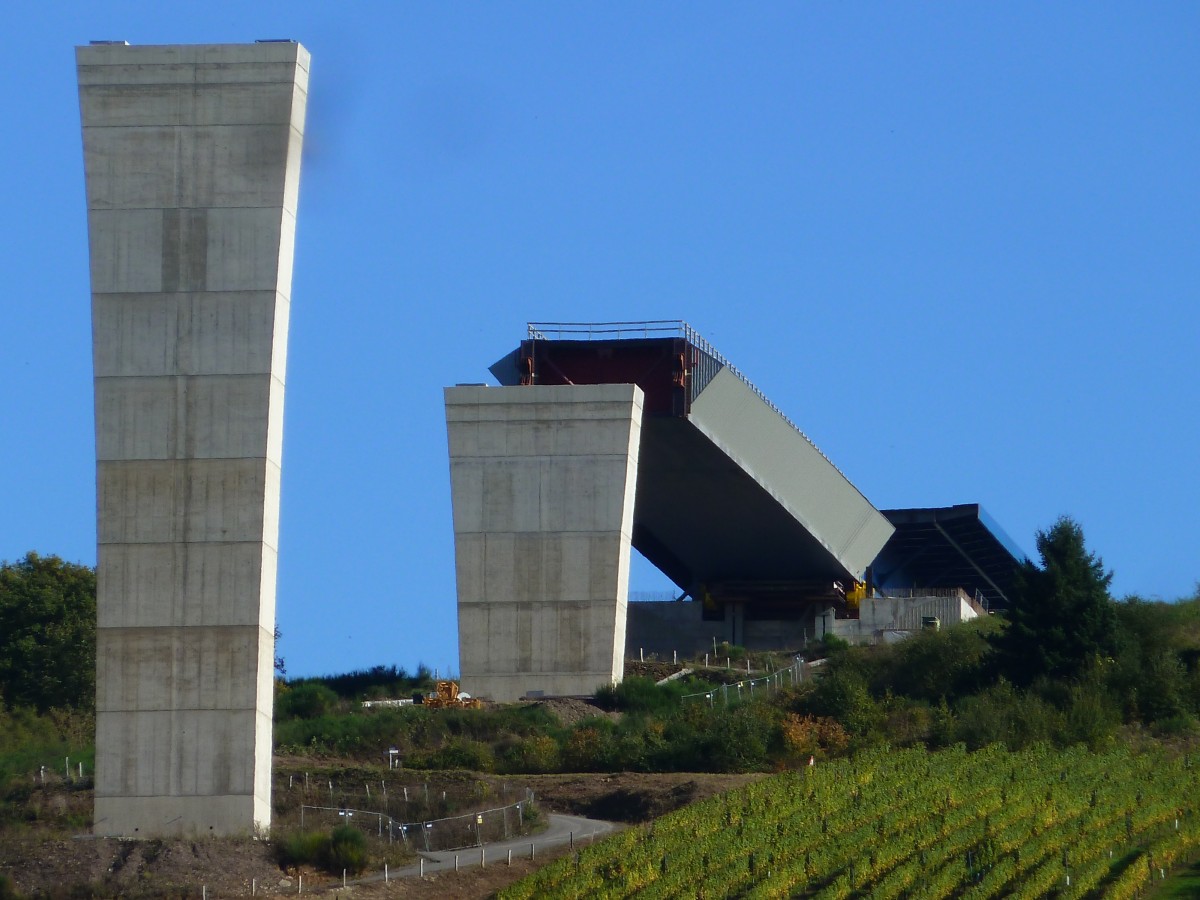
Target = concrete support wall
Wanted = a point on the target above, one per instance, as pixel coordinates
(878, 615)
(192, 158)
(906, 613)
(664, 628)
(543, 482)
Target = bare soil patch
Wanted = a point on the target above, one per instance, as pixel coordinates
(105, 867)
(569, 710)
(630, 797)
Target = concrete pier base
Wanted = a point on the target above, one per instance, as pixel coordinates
(543, 482)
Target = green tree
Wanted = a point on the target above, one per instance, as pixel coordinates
(47, 633)
(1159, 661)
(1061, 620)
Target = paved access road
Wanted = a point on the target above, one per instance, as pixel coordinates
(559, 831)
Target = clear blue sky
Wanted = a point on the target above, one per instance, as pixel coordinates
(958, 244)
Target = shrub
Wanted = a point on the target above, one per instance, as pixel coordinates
(8, 890)
(907, 722)
(842, 694)
(376, 682)
(831, 645)
(306, 701)
(301, 848)
(1092, 717)
(812, 736)
(637, 694)
(462, 753)
(1004, 715)
(949, 663)
(346, 850)
(531, 755)
(733, 652)
(588, 746)
(1182, 725)
(343, 848)
(699, 739)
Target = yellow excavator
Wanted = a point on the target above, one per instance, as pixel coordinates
(447, 696)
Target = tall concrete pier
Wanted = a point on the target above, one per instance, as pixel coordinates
(192, 158)
(543, 483)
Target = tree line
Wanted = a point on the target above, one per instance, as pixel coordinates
(1067, 663)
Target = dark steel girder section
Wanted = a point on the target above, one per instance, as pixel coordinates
(947, 547)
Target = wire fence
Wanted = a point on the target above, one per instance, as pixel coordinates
(744, 690)
(392, 794)
(69, 774)
(471, 829)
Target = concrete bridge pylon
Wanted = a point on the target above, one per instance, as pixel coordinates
(192, 164)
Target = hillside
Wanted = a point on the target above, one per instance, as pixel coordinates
(890, 824)
(633, 754)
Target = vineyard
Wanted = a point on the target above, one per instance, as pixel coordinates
(910, 823)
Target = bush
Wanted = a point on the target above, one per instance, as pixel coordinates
(346, 851)
(830, 645)
(344, 848)
(733, 652)
(459, 753)
(1004, 715)
(842, 694)
(308, 700)
(8, 890)
(812, 736)
(1092, 716)
(301, 848)
(376, 682)
(530, 756)
(907, 722)
(1181, 725)
(587, 747)
(639, 694)
(738, 738)
(930, 665)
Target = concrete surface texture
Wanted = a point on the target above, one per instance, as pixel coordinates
(542, 481)
(192, 161)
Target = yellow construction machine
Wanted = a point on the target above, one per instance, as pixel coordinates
(446, 696)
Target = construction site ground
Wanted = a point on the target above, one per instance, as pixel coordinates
(52, 861)
(56, 857)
